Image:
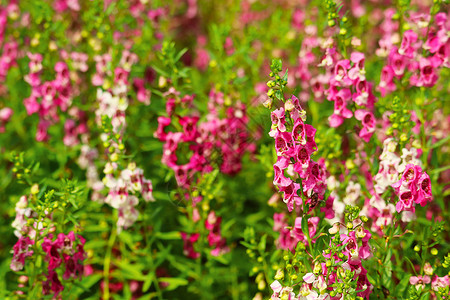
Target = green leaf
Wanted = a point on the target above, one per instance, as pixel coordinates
(262, 243)
(180, 54)
(402, 285)
(173, 282)
(170, 235)
(130, 271)
(440, 143)
(248, 245)
(147, 282)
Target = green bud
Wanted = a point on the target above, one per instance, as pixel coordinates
(331, 23)
(279, 275)
(416, 248)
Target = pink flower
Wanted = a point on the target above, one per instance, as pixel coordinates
(387, 84)
(363, 95)
(21, 251)
(408, 47)
(428, 75)
(419, 281)
(398, 62)
(440, 282)
(52, 284)
(5, 115)
(290, 195)
(188, 247)
(278, 119)
(340, 108)
(340, 72)
(368, 121)
(424, 189)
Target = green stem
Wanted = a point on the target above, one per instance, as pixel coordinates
(107, 263)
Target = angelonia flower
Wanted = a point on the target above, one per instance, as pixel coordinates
(66, 252)
(391, 164)
(124, 185)
(347, 83)
(228, 137)
(422, 59)
(290, 236)
(413, 188)
(295, 146)
(21, 252)
(188, 244)
(22, 214)
(219, 142)
(8, 59)
(123, 192)
(5, 115)
(338, 272)
(46, 97)
(215, 239)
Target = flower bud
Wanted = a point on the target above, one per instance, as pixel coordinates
(35, 189)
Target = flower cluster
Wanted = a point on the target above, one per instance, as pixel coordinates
(215, 239)
(188, 244)
(8, 58)
(414, 187)
(22, 214)
(347, 84)
(290, 237)
(422, 59)
(21, 251)
(294, 143)
(122, 191)
(52, 94)
(221, 140)
(65, 250)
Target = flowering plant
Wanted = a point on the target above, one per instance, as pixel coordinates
(234, 150)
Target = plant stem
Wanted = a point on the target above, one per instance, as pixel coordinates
(107, 263)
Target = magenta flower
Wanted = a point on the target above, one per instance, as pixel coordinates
(408, 46)
(387, 84)
(398, 62)
(278, 119)
(188, 246)
(341, 111)
(52, 284)
(21, 251)
(368, 121)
